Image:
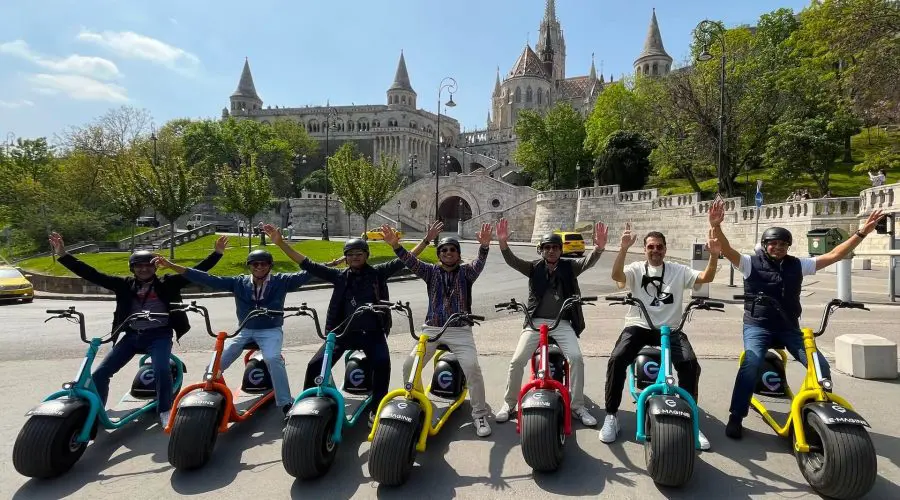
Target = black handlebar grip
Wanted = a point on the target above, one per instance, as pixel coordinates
(56, 311)
(854, 305)
(613, 298)
(715, 305)
(589, 298)
(502, 304)
(291, 308)
(476, 317)
(743, 297)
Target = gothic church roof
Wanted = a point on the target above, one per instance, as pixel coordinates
(577, 87)
(528, 64)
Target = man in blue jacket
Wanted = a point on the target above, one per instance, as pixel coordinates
(144, 291)
(357, 284)
(260, 289)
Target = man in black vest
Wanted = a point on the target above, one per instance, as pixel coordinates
(551, 280)
(357, 284)
(772, 272)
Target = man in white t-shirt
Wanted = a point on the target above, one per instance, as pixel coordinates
(660, 286)
(772, 272)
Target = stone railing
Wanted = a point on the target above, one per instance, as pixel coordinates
(145, 237)
(885, 198)
(702, 207)
(520, 217)
(188, 236)
(821, 207)
(642, 195)
(598, 191)
(559, 194)
(676, 200)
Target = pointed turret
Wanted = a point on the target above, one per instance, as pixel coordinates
(593, 73)
(547, 52)
(401, 91)
(497, 84)
(653, 60)
(550, 11)
(245, 97)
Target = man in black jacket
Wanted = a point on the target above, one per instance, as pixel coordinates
(359, 283)
(145, 291)
(551, 280)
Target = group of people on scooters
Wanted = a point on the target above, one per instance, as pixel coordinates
(658, 283)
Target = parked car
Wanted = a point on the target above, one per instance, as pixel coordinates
(147, 221)
(573, 243)
(376, 234)
(221, 224)
(15, 286)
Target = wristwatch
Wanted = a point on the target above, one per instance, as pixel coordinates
(860, 234)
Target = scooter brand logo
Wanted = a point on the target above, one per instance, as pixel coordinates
(356, 377)
(670, 403)
(838, 408)
(651, 369)
(401, 405)
(147, 377)
(255, 376)
(537, 395)
(771, 380)
(445, 378)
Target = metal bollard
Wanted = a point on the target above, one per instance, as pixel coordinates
(844, 291)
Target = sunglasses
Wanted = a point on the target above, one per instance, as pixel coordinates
(551, 248)
(778, 244)
(259, 264)
(355, 254)
(448, 250)
(655, 247)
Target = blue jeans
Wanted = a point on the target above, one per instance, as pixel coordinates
(758, 340)
(158, 344)
(269, 341)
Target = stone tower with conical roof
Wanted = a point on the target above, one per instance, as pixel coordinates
(401, 92)
(551, 34)
(245, 97)
(653, 60)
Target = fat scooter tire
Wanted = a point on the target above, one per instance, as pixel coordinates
(845, 466)
(543, 438)
(193, 437)
(393, 451)
(46, 446)
(669, 449)
(307, 450)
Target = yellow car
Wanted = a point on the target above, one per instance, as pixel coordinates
(14, 286)
(377, 235)
(573, 243)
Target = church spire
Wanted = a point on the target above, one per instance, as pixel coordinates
(245, 86)
(401, 77)
(550, 11)
(497, 83)
(653, 45)
(593, 74)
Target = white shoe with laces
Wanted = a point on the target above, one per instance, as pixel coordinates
(482, 428)
(503, 414)
(164, 419)
(704, 443)
(610, 430)
(585, 416)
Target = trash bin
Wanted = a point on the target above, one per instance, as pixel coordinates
(823, 240)
(699, 259)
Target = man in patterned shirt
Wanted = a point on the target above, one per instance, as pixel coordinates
(450, 291)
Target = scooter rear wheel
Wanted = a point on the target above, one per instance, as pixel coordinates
(193, 437)
(543, 438)
(46, 446)
(842, 462)
(393, 451)
(308, 450)
(669, 449)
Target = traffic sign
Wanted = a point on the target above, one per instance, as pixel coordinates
(759, 199)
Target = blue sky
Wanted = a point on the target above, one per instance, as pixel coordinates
(63, 63)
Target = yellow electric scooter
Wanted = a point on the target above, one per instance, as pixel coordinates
(833, 449)
(406, 417)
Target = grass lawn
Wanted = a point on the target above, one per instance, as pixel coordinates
(233, 263)
(843, 181)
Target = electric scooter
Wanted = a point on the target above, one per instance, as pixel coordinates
(58, 430)
(203, 410)
(834, 452)
(544, 405)
(668, 420)
(407, 417)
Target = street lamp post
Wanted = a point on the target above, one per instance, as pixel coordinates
(716, 32)
(398, 215)
(329, 112)
(413, 159)
(448, 83)
(577, 175)
(301, 160)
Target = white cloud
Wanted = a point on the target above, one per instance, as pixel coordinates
(95, 67)
(21, 103)
(78, 87)
(135, 46)
(173, 20)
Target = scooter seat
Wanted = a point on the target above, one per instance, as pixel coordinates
(251, 346)
(649, 351)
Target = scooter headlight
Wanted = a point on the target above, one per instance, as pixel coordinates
(408, 386)
(670, 381)
(827, 385)
(67, 386)
(208, 377)
(319, 380)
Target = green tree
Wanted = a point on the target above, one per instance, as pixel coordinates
(362, 186)
(551, 146)
(33, 157)
(315, 182)
(121, 187)
(624, 160)
(616, 108)
(804, 146)
(245, 191)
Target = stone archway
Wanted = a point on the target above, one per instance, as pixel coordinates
(452, 165)
(452, 210)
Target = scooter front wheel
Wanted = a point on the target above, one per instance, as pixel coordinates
(193, 437)
(47, 446)
(841, 462)
(543, 437)
(308, 449)
(393, 451)
(669, 449)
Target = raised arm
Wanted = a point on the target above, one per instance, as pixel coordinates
(618, 267)
(523, 266)
(716, 216)
(473, 270)
(81, 269)
(224, 283)
(841, 251)
(601, 234)
(205, 265)
(274, 235)
(421, 269)
(715, 248)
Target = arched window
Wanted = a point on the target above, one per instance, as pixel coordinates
(413, 125)
(518, 96)
(655, 69)
(529, 95)
(403, 99)
(540, 94)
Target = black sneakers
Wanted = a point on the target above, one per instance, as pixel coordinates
(734, 429)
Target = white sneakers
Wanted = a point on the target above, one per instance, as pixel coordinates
(164, 419)
(585, 416)
(503, 414)
(481, 426)
(610, 431)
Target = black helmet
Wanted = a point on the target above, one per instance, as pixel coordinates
(777, 233)
(356, 244)
(259, 256)
(550, 239)
(139, 257)
(449, 240)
